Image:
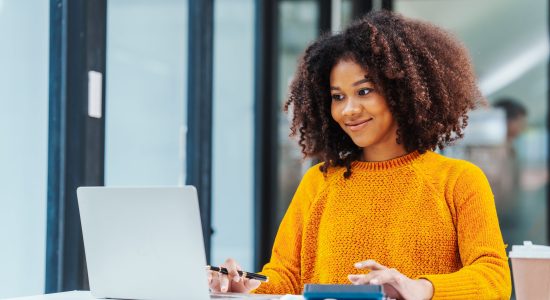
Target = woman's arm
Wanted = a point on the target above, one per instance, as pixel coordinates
(485, 273)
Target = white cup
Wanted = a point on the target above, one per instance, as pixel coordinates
(531, 271)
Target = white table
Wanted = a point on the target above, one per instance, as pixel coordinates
(86, 295)
(74, 295)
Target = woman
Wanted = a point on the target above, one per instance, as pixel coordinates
(372, 103)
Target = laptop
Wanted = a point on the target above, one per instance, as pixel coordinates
(143, 243)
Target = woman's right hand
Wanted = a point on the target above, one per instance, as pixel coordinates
(234, 283)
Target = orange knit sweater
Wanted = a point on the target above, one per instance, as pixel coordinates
(426, 215)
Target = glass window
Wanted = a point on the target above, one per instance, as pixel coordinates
(354, 9)
(233, 133)
(146, 92)
(511, 61)
(24, 32)
(298, 27)
(347, 12)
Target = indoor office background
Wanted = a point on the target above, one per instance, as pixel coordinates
(157, 119)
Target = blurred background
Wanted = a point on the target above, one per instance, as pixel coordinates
(191, 92)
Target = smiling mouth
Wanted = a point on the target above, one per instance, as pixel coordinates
(355, 126)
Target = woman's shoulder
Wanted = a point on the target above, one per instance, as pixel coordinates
(441, 163)
(315, 173)
(317, 178)
(453, 172)
(312, 183)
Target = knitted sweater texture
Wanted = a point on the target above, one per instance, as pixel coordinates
(425, 215)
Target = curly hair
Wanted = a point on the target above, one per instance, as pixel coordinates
(424, 73)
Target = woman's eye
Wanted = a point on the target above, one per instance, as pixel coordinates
(337, 97)
(363, 92)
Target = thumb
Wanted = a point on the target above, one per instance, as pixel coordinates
(252, 284)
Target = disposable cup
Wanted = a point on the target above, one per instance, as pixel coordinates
(531, 271)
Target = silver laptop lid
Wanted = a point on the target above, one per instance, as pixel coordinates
(143, 243)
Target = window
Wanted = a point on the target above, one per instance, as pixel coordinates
(511, 61)
(24, 27)
(146, 92)
(233, 133)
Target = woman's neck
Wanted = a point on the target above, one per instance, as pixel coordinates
(374, 153)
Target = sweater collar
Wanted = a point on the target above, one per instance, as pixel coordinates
(387, 164)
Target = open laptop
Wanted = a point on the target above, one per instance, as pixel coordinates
(144, 243)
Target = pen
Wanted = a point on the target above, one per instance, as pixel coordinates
(248, 275)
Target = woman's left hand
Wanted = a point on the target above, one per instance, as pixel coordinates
(396, 285)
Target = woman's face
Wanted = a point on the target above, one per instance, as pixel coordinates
(359, 108)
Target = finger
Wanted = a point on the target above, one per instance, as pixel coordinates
(252, 284)
(209, 276)
(231, 266)
(369, 264)
(358, 279)
(238, 277)
(389, 276)
(363, 278)
(214, 282)
(224, 283)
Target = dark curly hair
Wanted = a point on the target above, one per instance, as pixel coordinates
(424, 73)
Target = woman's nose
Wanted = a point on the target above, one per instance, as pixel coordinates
(351, 108)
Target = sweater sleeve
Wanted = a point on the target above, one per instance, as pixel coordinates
(284, 267)
(485, 273)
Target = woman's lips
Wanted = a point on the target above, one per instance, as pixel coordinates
(356, 126)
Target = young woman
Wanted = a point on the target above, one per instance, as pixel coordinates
(372, 103)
